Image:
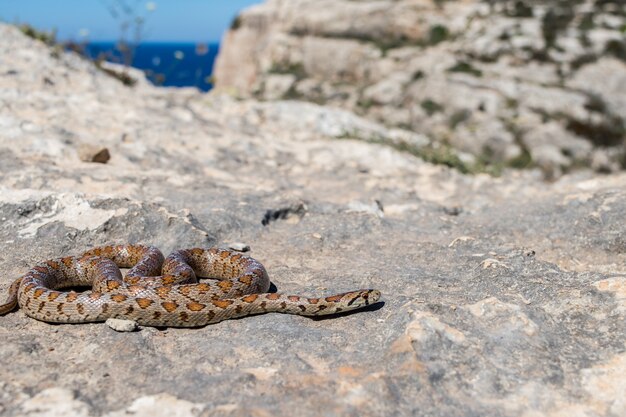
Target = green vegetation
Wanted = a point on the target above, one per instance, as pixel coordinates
(296, 69)
(524, 160)
(440, 154)
(236, 23)
(554, 22)
(431, 107)
(519, 9)
(292, 94)
(458, 117)
(439, 3)
(511, 103)
(417, 75)
(586, 22)
(386, 42)
(437, 34)
(464, 66)
(122, 76)
(49, 38)
(617, 48)
(131, 18)
(365, 104)
(609, 132)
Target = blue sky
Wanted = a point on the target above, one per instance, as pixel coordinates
(171, 20)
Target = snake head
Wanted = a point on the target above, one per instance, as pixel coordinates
(362, 298)
(371, 296)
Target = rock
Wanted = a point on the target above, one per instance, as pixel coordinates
(375, 208)
(101, 156)
(277, 86)
(616, 285)
(159, 405)
(55, 401)
(603, 161)
(506, 318)
(606, 80)
(324, 121)
(553, 148)
(605, 381)
(387, 91)
(130, 76)
(457, 72)
(94, 154)
(512, 306)
(480, 135)
(239, 247)
(120, 325)
(336, 60)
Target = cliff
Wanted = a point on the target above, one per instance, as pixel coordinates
(506, 83)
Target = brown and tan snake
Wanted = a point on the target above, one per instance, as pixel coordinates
(158, 292)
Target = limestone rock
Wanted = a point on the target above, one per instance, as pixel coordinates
(55, 401)
(278, 86)
(502, 296)
(553, 148)
(606, 79)
(120, 325)
(88, 153)
(239, 247)
(159, 405)
(458, 72)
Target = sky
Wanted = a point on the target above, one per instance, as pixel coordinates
(165, 20)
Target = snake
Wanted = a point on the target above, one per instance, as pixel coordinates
(162, 292)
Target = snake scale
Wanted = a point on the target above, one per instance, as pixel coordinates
(162, 292)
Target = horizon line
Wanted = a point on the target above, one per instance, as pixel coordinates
(147, 41)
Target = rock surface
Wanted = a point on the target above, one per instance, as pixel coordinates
(503, 296)
(503, 83)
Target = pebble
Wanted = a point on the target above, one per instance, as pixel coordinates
(90, 153)
(453, 211)
(101, 157)
(121, 325)
(239, 247)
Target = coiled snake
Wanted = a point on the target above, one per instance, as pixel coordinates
(162, 292)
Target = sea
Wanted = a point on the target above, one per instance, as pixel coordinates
(165, 64)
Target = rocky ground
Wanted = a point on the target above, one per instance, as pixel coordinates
(492, 83)
(502, 296)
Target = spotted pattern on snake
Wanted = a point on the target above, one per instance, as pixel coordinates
(237, 287)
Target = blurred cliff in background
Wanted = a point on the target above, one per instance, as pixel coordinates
(492, 84)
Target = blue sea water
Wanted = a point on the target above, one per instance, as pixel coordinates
(165, 64)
